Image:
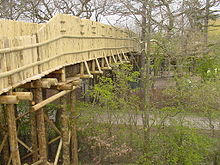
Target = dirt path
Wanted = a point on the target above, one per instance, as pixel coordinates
(155, 120)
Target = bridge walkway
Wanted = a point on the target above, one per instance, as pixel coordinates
(35, 58)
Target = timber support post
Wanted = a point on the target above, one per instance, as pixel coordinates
(12, 130)
(42, 144)
(4, 146)
(65, 125)
(74, 143)
(34, 142)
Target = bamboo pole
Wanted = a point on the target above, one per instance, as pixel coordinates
(12, 131)
(3, 132)
(74, 80)
(41, 127)
(107, 63)
(110, 60)
(119, 57)
(85, 76)
(38, 162)
(9, 99)
(98, 66)
(19, 48)
(96, 72)
(52, 124)
(58, 152)
(93, 65)
(34, 141)
(9, 160)
(87, 68)
(42, 83)
(3, 142)
(114, 60)
(49, 100)
(102, 63)
(23, 95)
(22, 115)
(11, 72)
(65, 125)
(74, 144)
(24, 145)
(53, 140)
(50, 142)
(65, 130)
(125, 57)
(106, 68)
(82, 70)
(63, 86)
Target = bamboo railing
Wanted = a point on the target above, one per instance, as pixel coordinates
(31, 51)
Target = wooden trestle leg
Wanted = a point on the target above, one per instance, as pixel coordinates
(65, 125)
(65, 131)
(34, 142)
(12, 130)
(4, 146)
(74, 144)
(42, 144)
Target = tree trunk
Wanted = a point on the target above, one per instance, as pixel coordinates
(206, 22)
(145, 83)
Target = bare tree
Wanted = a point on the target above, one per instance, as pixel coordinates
(10, 9)
(40, 11)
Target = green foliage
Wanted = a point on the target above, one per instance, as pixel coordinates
(51, 109)
(194, 96)
(189, 97)
(24, 127)
(207, 68)
(100, 138)
(102, 128)
(103, 91)
(178, 146)
(115, 95)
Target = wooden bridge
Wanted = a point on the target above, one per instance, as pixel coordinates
(56, 56)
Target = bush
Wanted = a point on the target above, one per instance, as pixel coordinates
(178, 146)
